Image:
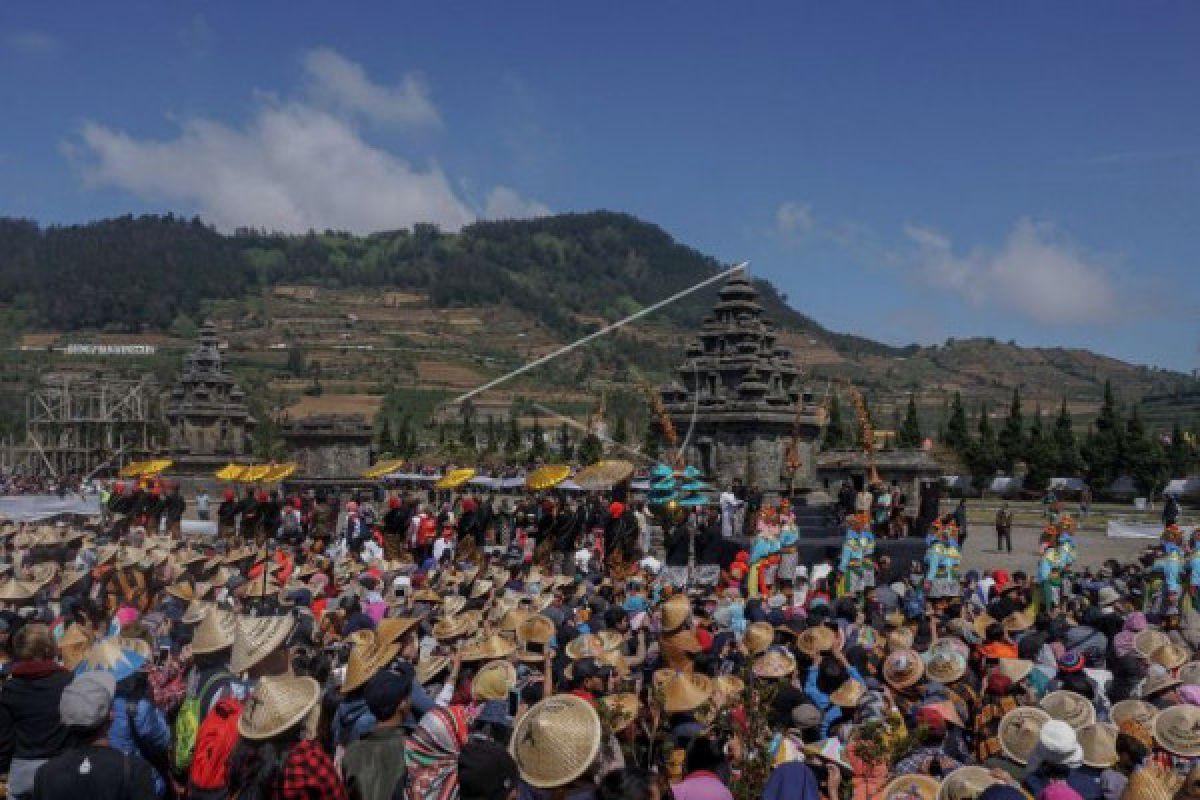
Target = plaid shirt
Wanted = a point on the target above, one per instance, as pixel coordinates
(987, 726)
(309, 774)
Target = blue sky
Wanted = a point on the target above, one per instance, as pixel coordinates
(909, 171)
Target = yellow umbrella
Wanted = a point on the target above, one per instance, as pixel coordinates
(145, 469)
(131, 470)
(230, 472)
(455, 478)
(384, 468)
(279, 472)
(547, 477)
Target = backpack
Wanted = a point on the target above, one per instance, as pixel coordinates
(187, 724)
(215, 740)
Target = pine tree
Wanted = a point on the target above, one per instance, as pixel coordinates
(1104, 449)
(983, 455)
(512, 444)
(537, 444)
(1040, 458)
(1068, 462)
(1180, 455)
(910, 430)
(957, 437)
(564, 443)
(1012, 435)
(835, 427)
(591, 449)
(1143, 457)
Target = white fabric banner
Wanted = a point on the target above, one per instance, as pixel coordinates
(34, 507)
(1119, 529)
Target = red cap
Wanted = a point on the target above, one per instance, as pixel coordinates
(616, 509)
(229, 494)
(261, 497)
(393, 502)
(999, 683)
(297, 503)
(1001, 578)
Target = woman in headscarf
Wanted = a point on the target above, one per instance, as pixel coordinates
(431, 754)
(1122, 643)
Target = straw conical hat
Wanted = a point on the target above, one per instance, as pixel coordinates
(966, 783)
(257, 638)
(1137, 710)
(1171, 655)
(216, 631)
(758, 637)
(278, 705)
(1149, 640)
(815, 640)
(945, 666)
(1071, 707)
(910, 787)
(183, 591)
(1099, 743)
(73, 646)
(1177, 729)
(537, 631)
(453, 604)
(18, 591)
(586, 646)
(683, 691)
(452, 627)
(556, 741)
(430, 667)
(675, 613)
(1019, 731)
(727, 688)
(1015, 669)
(367, 658)
(849, 694)
(903, 668)
(493, 647)
(392, 629)
(611, 640)
(494, 681)
(513, 618)
(603, 475)
(622, 709)
(774, 663)
(195, 612)
(1152, 782)
(43, 573)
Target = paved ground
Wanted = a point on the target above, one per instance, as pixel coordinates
(1093, 548)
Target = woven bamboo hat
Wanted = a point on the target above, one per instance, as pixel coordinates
(899, 639)
(586, 646)
(216, 631)
(70, 579)
(1177, 729)
(1152, 782)
(728, 688)
(815, 640)
(18, 591)
(1019, 731)
(392, 629)
(43, 573)
(676, 613)
(945, 666)
(1071, 707)
(74, 646)
(1015, 669)
(556, 741)
(451, 627)
(849, 694)
(1018, 621)
(903, 668)
(1149, 640)
(622, 709)
(430, 667)
(911, 787)
(1099, 743)
(758, 637)
(453, 604)
(513, 618)
(611, 640)
(1159, 683)
(278, 705)
(966, 783)
(534, 634)
(195, 612)
(683, 691)
(1133, 709)
(183, 591)
(366, 659)
(1171, 655)
(494, 681)
(491, 648)
(257, 638)
(427, 596)
(775, 663)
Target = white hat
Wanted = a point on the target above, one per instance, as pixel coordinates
(650, 564)
(1057, 744)
(802, 571)
(821, 572)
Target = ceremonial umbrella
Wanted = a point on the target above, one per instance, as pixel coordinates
(145, 469)
(455, 478)
(383, 468)
(603, 475)
(547, 477)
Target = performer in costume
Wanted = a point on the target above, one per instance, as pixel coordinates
(789, 537)
(1170, 567)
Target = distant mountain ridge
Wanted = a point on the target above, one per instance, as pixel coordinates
(568, 272)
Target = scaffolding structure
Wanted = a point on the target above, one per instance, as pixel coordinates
(76, 423)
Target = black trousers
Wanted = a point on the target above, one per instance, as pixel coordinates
(1004, 539)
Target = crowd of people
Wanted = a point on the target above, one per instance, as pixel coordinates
(416, 646)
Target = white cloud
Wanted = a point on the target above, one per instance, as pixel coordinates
(505, 203)
(292, 168)
(342, 85)
(31, 43)
(794, 220)
(1037, 273)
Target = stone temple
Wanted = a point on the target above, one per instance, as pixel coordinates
(743, 400)
(209, 422)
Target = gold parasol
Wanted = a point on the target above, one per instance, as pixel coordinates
(455, 478)
(229, 472)
(256, 473)
(604, 475)
(145, 469)
(384, 468)
(547, 477)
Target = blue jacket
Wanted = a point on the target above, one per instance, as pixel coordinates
(830, 713)
(352, 720)
(152, 730)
